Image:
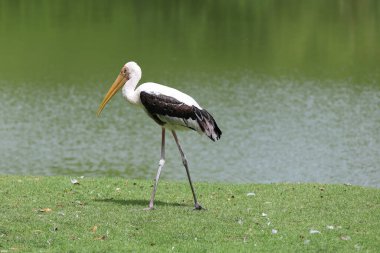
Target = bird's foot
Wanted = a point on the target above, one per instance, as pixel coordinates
(198, 207)
(150, 208)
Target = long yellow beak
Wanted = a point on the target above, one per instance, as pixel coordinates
(119, 82)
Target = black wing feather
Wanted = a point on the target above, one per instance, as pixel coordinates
(166, 106)
(159, 104)
(207, 124)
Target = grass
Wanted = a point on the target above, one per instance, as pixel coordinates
(51, 214)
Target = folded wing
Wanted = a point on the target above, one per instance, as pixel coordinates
(171, 113)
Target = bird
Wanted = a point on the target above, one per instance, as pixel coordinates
(170, 108)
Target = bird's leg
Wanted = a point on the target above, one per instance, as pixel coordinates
(184, 161)
(160, 166)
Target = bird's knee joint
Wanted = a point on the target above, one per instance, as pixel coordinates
(161, 162)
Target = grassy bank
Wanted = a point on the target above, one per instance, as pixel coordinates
(51, 214)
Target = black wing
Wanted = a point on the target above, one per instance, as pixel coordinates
(165, 109)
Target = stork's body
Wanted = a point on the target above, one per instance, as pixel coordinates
(168, 107)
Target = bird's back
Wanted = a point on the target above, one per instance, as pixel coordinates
(174, 109)
(159, 89)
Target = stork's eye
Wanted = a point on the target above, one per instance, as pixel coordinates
(124, 71)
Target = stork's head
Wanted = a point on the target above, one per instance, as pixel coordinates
(128, 71)
(132, 69)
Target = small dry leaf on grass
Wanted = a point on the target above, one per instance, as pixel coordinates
(345, 237)
(73, 237)
(103, 237)
(78, 202)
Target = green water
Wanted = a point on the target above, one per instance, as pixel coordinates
(294, 86)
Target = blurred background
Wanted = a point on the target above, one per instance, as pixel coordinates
(294, 86)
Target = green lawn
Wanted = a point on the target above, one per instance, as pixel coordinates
(50, 214)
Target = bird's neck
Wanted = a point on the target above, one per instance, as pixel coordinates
(129, 89)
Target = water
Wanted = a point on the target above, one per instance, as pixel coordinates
(294, 88)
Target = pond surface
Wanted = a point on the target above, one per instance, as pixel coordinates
(294, 87)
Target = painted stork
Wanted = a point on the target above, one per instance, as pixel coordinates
(169, 108)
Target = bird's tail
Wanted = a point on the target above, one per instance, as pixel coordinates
(207, 124)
